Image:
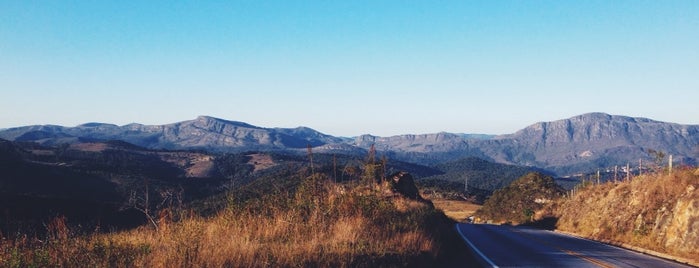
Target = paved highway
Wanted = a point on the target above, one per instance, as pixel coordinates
(507, 246)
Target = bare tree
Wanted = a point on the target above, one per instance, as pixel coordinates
(169, 199)
(141, 203)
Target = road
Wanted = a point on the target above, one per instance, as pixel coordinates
(507, 246)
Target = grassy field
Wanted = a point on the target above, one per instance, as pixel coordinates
(457, 210)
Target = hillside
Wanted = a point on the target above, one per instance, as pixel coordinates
(655, 211)
(102, 183)
(481, 174)
(107, 182)
(518, 202)
(315, 223)
(586, 142)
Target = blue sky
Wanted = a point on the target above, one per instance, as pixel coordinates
(348, 67)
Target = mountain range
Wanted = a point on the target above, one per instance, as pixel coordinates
(569, 146)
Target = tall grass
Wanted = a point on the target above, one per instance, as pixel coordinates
(321, 224)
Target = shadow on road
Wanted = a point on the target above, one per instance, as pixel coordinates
(547, 223)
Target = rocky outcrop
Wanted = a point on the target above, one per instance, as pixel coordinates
(679, 227)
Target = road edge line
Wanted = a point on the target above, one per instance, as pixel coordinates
(474, 248)
(633, 248)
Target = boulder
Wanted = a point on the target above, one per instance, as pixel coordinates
(404, 184)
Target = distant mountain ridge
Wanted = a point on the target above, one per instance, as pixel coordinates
(204, 132)
(577, 144)
(595, 140)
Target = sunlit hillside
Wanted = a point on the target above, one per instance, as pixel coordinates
(320, 223)
(657, 211)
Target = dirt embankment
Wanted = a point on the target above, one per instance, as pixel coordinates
(656, 211)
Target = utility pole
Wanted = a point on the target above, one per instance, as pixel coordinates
(615, 171)
(466, 184)
(310, 157)
(670, 165)
(640, 167)
(598, 181)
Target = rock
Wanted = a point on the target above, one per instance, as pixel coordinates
(404, 184)
(683, 230)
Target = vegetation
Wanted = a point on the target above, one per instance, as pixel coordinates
(317, 223)
(481, 175)
(451, 190)
(657, 211)
(518, 202)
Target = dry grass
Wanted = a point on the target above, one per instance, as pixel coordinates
(261, 161)
(654, 211)
(457, 210)
(333, 226)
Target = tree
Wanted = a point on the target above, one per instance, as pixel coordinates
(371, 169)
(170, 200)
(351, 171)
(141, 203)
(658, 156)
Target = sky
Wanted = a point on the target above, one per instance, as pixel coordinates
(348, 68)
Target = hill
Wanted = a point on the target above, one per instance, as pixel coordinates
(518, 202)
(316, 222)
(107, 182)
(103, 183)
(470, 178)
(657, 211)
(481, 174)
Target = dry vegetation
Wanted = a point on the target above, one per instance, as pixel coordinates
(321, 224)
(261, 161)
(655, 211)
(457, 210)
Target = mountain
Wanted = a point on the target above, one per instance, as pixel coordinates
(570, 146)
(428, 149)
(579, 144)
(204, 133)
(594, 140)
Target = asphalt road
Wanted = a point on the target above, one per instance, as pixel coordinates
(507, 246)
